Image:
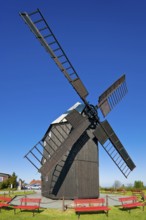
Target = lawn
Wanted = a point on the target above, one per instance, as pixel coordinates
(54, 214)
(16, 193)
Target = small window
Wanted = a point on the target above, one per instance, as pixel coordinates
(1, 179)
(46, 178)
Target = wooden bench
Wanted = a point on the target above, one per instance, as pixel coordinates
(130, 202)
(90, 206)
(31, 204)
(4, 201)
(144, 199)
(137, 192)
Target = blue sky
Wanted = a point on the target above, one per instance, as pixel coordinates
(103, 39)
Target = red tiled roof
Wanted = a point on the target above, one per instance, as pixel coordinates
(35, 182)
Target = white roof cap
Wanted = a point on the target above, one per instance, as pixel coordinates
(78, 106)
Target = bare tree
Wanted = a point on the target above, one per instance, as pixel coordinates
(117, 184)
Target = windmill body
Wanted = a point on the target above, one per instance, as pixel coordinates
(76, 175)
(67, 156)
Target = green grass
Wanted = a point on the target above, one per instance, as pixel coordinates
(126, 193)
(16, 193)
(53, 214)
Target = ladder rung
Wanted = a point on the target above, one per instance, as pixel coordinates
(52, 43)
(124, 167)
(60, 56)
(117, 159)
(59, 165)
(112, 151)
(122, 164)
(115, 155)
(64, 62)
(127, 171)
(119, 162)
(35, 22)
(32, 163)
(49, 35)
(109, 149)
(32, 13)
(107, 145)
(55, 175)
(68, 68)
(56, 49)
(44, 28)
(56, 171)
(72, 74)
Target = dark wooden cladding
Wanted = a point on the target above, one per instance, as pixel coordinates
(66, 145)
(76, 175)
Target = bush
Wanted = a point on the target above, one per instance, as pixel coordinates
(4, 184)
(11, 181)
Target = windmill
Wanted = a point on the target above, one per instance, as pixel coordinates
(67, 156)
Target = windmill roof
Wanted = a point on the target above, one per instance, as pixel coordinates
(78, 106)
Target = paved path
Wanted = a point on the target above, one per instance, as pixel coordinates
(58, 204)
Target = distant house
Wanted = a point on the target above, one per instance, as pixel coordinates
(4, 176)
(35, 182)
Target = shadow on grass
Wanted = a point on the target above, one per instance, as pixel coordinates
(129, 209)
(93, 213)
(29, 211)
(33, 212)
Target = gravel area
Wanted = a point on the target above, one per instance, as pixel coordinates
(112, 200)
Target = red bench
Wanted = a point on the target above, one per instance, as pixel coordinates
(4, 201)
(130, 202)
(90, 206)
(137, 192)
(28, 204)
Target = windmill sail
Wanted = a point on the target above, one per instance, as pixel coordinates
(112, 96)
(112, 145)
(70, 145)
(44, 34)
